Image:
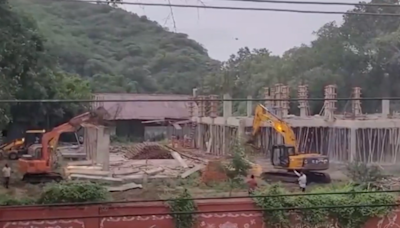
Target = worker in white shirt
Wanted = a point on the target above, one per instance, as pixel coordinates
(6, 175)
(302, 180)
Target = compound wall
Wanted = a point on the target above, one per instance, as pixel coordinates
(213, 214)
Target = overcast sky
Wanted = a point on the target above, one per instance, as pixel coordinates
(223, 32)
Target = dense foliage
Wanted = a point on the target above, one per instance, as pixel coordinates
(336, 211)
(28, 72)
(65, 192)
(73, 192)
(116, 50)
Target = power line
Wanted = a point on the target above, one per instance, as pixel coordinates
(196, 100)
(201, 212)
(240, 8)
(318, 3)
(213, 198)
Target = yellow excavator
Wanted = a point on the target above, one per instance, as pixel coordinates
(287, 156)
(17, 147)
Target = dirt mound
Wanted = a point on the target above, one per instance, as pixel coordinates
(213, 172)
(147, 150)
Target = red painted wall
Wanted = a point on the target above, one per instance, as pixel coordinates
(63, 216)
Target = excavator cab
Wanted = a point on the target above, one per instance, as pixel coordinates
(280, 155)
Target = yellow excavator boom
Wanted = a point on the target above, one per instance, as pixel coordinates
(262, 114)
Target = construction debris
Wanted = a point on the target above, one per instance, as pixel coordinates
(213, 172)
(89, 177)
(192, 170)
(154, 171)
(139, 163)
(147, 150)
(124, 187)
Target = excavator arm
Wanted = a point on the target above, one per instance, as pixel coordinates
(51, 138)
(262, 114)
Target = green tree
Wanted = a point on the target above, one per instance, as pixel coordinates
(100, 42)
(363, 51)
(29, 72)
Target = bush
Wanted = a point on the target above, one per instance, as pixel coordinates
(73, 192)
(238, 167)
(347, 217)
(364, 175)
(183, 203)
(6, 200)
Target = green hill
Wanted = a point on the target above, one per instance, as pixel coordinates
(117, 50)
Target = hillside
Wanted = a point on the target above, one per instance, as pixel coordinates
(117, 50)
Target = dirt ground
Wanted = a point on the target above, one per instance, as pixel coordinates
(167, 188)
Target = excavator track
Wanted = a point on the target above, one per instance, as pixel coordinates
(290, 177)
(42, 178)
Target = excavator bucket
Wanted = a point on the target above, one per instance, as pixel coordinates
(100, 113)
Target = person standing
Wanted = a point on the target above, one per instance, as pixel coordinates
(302, 180)
(6, 175)
(252, 184)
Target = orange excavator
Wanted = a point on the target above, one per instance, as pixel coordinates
(37, 166)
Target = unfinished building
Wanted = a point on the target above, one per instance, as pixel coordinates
(353, 136)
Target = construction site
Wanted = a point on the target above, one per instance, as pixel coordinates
(369, 138)
(207, 136)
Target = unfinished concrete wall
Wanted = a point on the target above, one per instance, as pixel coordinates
(359, 137)
(96, 145)
(378, 145)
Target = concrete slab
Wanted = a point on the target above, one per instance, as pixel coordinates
(179, 159)
(84, 167)
(151, 162)
(124, 187)
(134, 177)
(79, 163)
(125, 171)
(154, 171)
(313, 121)
(192, 170)
(88, 177)
(89, 172)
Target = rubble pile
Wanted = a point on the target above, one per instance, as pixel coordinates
(148, 150)
(131, 165)
(213, 172)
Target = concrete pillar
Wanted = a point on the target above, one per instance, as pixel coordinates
(200, 142)
(241, 133)
(285, 91)
(303, 104)
(227, 106)
(103, 147)
(90, 144)
(356, 104)
(278, 104)
(385, 108)
(249, 106)
(353, 144)
(330, 105)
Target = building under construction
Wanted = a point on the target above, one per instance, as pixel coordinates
(343, 137)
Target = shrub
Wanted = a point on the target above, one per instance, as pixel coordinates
(347, 217)
(183, 203)
(73, 192)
